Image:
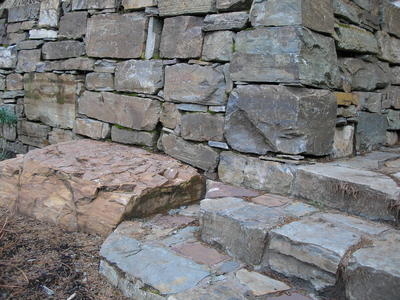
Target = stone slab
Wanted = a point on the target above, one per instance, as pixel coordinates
(260, 284)
(181, 7)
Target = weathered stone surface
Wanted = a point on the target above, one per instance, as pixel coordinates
(362, 75)
(371, 102)
(9, 170)
(347, 10)
(63, 49)
(60, 136)
(233, 5)
(391, 97)
(14, 82)
(390, 18)
(2, 82)
(93, 4)
(182, 37)
(195, 84)
(135, 4)
(49, 13)
(113, 35)
(316, 15)
(28, 60)
(343, 143)
(192, 107)
(128, 111)
(389, 47)
(356, 39)
(153, 38)
(75, 184)
(392, 138)
(73, 25)
(100, 81)
(105, 66)
(395, 75)
(23, 13)
(316, 257)
(284, 54)
(254, 120)
(46, 34)
(241, 228)
(139, 76)
(202, 127)
(50, 98)
(371, 131)
(254, 173)
(355, 191)
(91, 128)
(180, 7)
(227, 21)
(197, 155)
(133, 137)
(373, 272)
(8, 57)
(28, 45)
(33, 134)
(76, 63)
(393, 118)
(14, 38)
(218, 46)
(216, 189)
(170, 116)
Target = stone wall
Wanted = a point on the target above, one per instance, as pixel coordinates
(215, 83)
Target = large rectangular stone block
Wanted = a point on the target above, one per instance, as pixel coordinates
(371, 131)
(73, 25)
(285, 54)
(389, 47)
(128, 111)
(51, 98)
(133, 137)
(316, 15)
(28, 60)
(91, 128)
(135, 4)
(63, 49)
(33, 134)
(263, 118)
(233, 5)
(356, 39)
(23, 13)
(181, 7)
(202, 127)
(49, 13)
(117, 36)
(390, 18)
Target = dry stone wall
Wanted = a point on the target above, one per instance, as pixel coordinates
(205, 81)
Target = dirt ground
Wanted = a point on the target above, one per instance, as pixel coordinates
(41, 261)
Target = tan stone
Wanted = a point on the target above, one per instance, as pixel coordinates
(346, 99)
(92, 186)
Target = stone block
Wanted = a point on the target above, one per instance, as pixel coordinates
(49, 13)
(393, 118)
(14, 82)
(28, 45)
(128, 111)
(371, 102)
(392, 138)
(371, 131)
(202, 127)
(58, 135)
(254, 120)
(233, 5)
(170, 116)
(8, 57)
(241, 170)
(105, 66)
(390, 18)
(93, 4)
(51, 98)
(218, 46)
(113, 35)
(195, 84)
(181, 7)
(343, 142)
(391, 97)
(346, 99)
(140, 76)
(78, 63)
(63, 49)
(136, 4)
(99, 81)
(91, 128)
(33, 134)
(153, 38)
(15, 38)
(389, 47)
(182, 37)
(73, 25)
(133, 137)
(356, 39)
(347, 10)
(28, 60)
(226, 21)
(316, 15)
(23, 13)
(395, 75)
(45, 34)
(197, 155)
(285, 54)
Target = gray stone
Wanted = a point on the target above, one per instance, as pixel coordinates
(128, 111)
(180, 7)
(241, 228)
(347, 10)
(371, 131)
(170, 116)
(8, 57)
(14, 82)
(14, 38)
(105, 66)
(28, 60)
(195, 84)
(343, 142)
(391, 97)
(112, 35)
(219, 145)
(28, 45)
(2, 82)
(153, 38)
(393, 118)
(14, 147)
(316, 15)
(389, 47)
(46, 34)
(93, 4)
(233, 5)
(241, 170)
(136, 4)
(362, 75)
(78, 63)
(133, 137)
(356, 39)
(218, 46)
(395, 75)
(392, 138)
(192, 107)
(139, 76)
(285, 54)
(202, 127)
(182, 37)
(33, 134)
(226, 21)
(73, 25)
(91, 128)
(23, 13)
(390, 18)
(50, 98)
(49, 13)
(254, 120)
(57, 136)
(355, 191)
(198, 155)
(371, 102)
(100, 81)
(63, 49)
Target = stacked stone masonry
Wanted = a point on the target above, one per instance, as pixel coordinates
(195, 79)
